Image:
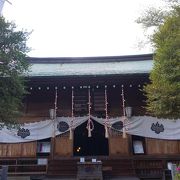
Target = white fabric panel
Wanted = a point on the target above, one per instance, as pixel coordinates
(136, 125)
(38, 130)
(77, 121)
(141, 125)
(111, 120)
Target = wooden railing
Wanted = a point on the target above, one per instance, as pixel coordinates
(154, 167)
(23, 166)
(144, 166)
(148, 168)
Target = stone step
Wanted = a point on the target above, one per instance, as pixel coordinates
(63, 178)
(118, 178)
(18, 178)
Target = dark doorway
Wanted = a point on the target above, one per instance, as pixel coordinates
(90, 146)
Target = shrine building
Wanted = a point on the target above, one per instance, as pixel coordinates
(90, 108)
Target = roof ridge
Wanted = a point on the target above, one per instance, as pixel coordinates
(98, 59)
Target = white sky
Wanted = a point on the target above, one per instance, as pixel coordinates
(64, 28)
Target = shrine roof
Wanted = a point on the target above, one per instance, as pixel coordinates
(110, 65)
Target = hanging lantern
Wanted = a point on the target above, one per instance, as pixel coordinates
(128, 111)
(51, 114)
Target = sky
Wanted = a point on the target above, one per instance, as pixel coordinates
(80, 28)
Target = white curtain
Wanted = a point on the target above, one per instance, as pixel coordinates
(145, 126)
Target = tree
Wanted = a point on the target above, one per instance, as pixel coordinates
(163, 92)
(13, 65)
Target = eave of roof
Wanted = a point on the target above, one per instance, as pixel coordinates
(90, 69)
(100, 59)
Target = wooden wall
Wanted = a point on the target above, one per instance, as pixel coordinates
(38, 108)
(63, 146)
(157, 146)
(38, 102)
(118, 145)
(18, 150)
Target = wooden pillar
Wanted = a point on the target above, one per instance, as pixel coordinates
(63, 146)
(52, 147)
(118, 145)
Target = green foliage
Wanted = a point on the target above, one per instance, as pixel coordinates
(152, 17)
(12, 65)
(177, 173)
(163, 94)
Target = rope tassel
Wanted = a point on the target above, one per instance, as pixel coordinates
(90, 127)
(124, 129)
(89, 131)
(106, 132)
(71, 134)
(124, 133)
(107, 118)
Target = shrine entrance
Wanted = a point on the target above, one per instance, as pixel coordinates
(97, 145)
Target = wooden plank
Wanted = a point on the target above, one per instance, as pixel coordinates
(19, 178)
(118, 145)
(157, 146)
(29, 149)
(63, 146)
(18, 150)
(3, 150)
(14, 150)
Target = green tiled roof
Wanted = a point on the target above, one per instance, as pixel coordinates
(93, 68)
